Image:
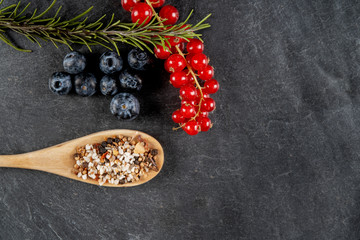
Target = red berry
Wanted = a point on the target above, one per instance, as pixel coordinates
(199, 61)
(173, 41)
(203, 114)
(157, 3)
(191, 102)
(188, 110)
(205, 123)
(161, 52)
(211, 86)
(189, 75)
(170, 13)
(188, 58)
(177, 117)
(208, 105)
(188, 92)
(175, 63)
(178, 79)
(192, 128)
(195, 46)
(207, 73)
(205, 95)
(128, 4)
(142, 13)
(181, 47)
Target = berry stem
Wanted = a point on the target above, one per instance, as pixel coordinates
(154, 12)
(188, 66)
(196, 82)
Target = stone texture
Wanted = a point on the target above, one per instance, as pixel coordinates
(282, 161)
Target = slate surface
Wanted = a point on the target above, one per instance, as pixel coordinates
(282, 161)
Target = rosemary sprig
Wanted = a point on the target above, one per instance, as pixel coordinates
(77, 30)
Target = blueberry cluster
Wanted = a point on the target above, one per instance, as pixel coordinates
(124, 105)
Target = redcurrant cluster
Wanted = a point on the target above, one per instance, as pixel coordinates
(185, 68)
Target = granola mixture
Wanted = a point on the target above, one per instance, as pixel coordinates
(117, 160)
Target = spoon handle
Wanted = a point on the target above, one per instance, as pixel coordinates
(53, 160)
(16, 161)
(38, 160)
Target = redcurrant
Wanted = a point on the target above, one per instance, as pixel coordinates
(157, 3)
(188, 110)
(188, 58)
(141, 13)
(207, 73)
(175, 63)
(188, 92)
(195, 46)
(191, 102)
(208, 105)
(161, 52)
(206, 95)
(177, 117)
(178, 79)
(181, 47)
(203, 114)
(211, 86)
(189, 75)
(128, 4)
(170, 13)
(173, 41)
(192, 127)
(205, 123)
(199, 61)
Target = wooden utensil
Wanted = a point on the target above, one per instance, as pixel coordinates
(59, 159)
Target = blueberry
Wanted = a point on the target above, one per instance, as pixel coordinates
(110, 62)
(85, 84)
(125, 106)
(139, 60)
(60, 83)
(74, 63)
(130, 81)
(108, 85)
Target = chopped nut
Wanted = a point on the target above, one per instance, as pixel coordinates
(117, 160)
(139, 148)
(154, 152)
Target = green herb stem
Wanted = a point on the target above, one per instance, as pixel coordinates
(77, 30)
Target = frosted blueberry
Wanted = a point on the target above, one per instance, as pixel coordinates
(125, 106)
(74, 63)
(85, 84)
(130, 81)
(139, 60)
(110, 62)
(108, 85)
(60, 83)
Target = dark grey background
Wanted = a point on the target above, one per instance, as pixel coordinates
(282, 161)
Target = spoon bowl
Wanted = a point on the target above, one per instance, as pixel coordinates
(59, 159)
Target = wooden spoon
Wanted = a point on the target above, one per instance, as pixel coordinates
(59, 159)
